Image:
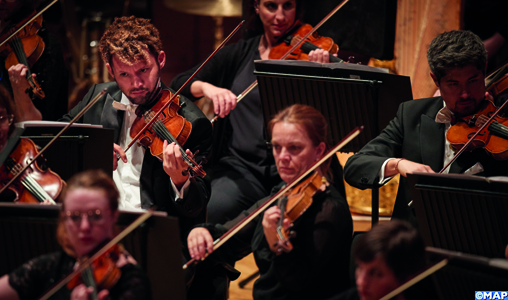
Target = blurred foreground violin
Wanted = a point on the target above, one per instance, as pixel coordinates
(300, 192)
(36, 184)
(100, 269)
(25, 47)
(20, 169)
(102, 274)
(312, 42)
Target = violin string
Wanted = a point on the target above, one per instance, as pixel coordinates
(28, 182)
(20, 55)
(164, 133)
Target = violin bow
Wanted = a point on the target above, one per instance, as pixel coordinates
(99, 253)
(154, 118)
(225, 237)
(79, 115)
(296, 45)
(473, 137)
(28, 22)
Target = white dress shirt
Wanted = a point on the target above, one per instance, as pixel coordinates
(127, 175)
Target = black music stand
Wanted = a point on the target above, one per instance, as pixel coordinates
(81, 147)
(348, 95)
(28, 231)
(456, 276)
(461, 213)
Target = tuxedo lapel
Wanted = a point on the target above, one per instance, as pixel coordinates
(111, 117)
(432, 142)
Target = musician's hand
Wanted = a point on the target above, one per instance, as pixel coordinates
(320, 56)
(81, 292)
(270, 219)
(24, 109)
(17, 77)
(223, 100)
(173, 163)
(404, 167)
(117, 150)
(199, 242)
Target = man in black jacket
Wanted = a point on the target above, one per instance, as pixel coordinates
(132, 51)
(414, 141)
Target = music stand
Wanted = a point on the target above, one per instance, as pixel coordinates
(81, 147)
(348, 95)
(455, 275)
(28, 231)
(461, 213)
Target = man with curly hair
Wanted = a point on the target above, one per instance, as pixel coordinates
(414, 141)
(132, 51)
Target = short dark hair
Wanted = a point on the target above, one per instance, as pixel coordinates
(398, 244)
(456, 48)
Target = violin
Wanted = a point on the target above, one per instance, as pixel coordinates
(313, 42)
(26, 47)
(151, 128)
(101, 274)
(36, 184)
(296, 207)
(169, 126)
(295, 44)
(108, 252)
(494, 138)
(292, 206)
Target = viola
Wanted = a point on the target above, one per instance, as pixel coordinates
(314, 41)
(169, 126)
(101, 274)
(35, 184)
(298, 200)
(26, 47)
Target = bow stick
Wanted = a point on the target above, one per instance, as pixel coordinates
(79, 115)
(218, 242)
(28, 22)
(255, 83)
(154, 118)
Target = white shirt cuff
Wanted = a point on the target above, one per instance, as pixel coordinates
(382, 179)
(179, 194)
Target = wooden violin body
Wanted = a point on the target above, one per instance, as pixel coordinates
(169, 126)
(36, 184)
(494, 139)
(298, 200)
(26, 48)
(102, 273)
(313, 42)
(179, 128)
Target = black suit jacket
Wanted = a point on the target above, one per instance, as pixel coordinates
(155, 186)
(414, 135)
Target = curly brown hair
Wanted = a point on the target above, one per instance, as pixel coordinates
(128, 38)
